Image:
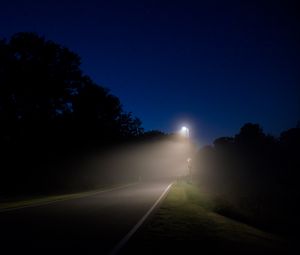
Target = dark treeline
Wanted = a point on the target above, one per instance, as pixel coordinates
(257, 174)
(49, 110)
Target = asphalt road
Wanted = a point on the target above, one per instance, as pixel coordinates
(88, 225)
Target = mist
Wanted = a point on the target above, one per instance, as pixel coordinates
(142, 161)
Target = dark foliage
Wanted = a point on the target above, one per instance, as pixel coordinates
(258, 174)
(50, 110)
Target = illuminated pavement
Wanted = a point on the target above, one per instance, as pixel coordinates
(89, 225)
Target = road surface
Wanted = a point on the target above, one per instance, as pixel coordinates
(90, 225)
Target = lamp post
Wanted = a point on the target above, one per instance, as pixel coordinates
(189, 167)
(185, 132)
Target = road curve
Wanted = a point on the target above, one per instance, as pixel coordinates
(89, 225)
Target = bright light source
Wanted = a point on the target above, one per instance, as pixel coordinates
(185, 132)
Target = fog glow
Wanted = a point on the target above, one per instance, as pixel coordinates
(144, 161)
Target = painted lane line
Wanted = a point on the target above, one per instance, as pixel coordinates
(126, 238)
(65, 199)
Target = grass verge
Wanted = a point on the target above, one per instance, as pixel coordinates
(188, 221)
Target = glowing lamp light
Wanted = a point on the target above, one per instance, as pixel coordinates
(184, 129)
(185, 132)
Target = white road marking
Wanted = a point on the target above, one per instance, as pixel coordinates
(126, 238)
(65, 199)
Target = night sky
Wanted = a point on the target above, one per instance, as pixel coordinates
(212, 65)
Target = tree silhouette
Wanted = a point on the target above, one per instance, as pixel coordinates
(257, 173)
(48, 107)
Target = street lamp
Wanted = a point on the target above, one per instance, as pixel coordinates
(185, 132)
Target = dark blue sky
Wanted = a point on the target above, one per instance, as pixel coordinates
(211, 64)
